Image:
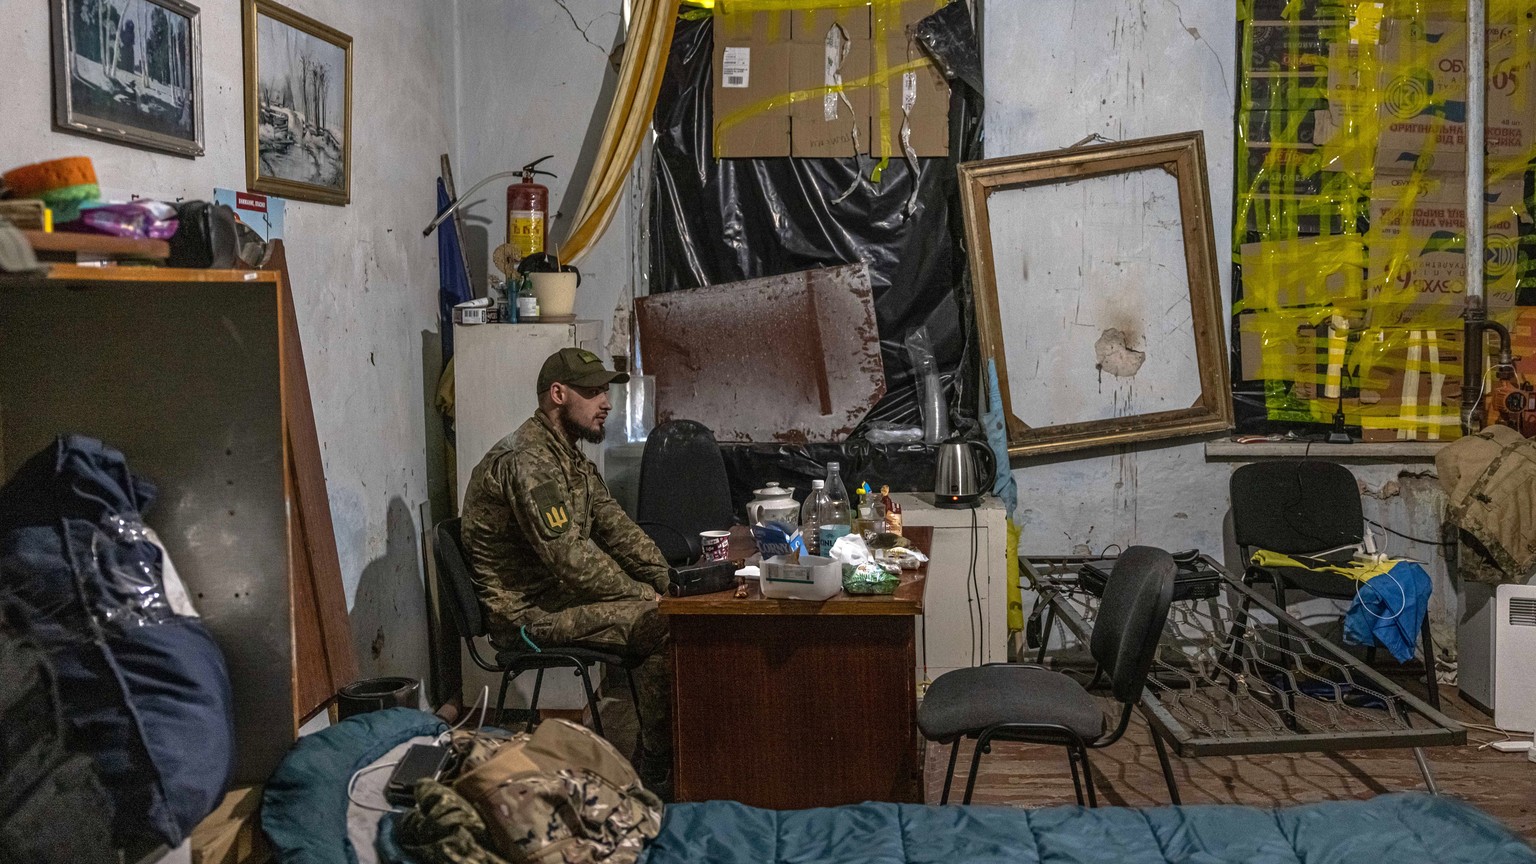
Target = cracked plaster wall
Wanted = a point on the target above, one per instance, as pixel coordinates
(364, 280)
(1058, 71)
(534, 79)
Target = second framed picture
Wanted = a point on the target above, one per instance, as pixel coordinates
(298, 105)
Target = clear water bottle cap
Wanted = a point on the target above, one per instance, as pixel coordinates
(818, 484)
(833, 466)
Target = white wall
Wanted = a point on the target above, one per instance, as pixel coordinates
(534, 79)
(1058, 71)
(364, 279)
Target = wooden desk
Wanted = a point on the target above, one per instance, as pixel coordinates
(790, 704)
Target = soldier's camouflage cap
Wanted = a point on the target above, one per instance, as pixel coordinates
(578, 368)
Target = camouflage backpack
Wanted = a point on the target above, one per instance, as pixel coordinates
(561, 795)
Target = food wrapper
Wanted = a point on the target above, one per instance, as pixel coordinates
(901, 557)
(870, 578)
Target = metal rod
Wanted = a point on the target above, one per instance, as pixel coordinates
(1476, 313)
(1477, 77)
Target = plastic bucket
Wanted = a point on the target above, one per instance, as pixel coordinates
(556, 293)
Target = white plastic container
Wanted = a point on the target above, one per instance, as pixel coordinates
(814, 578)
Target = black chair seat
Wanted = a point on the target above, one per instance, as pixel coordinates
(968, 700)
(1318, 583)
(551, 658)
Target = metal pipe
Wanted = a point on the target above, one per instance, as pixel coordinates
(1477, 99)
(1476, 313)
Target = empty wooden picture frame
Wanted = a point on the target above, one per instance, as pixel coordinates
(1096, 293)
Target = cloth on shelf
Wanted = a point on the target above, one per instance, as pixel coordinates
(1389, 610)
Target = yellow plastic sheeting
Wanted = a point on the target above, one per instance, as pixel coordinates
(1350, 202)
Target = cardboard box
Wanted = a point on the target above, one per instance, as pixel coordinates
(1423, 94)
(1410, 389)
(1267, 346)
(762, 55)
(1303, 271)
(1522, 341)
(750, 66)
(924, 87)
(1416, 245)
(835, 125)
(810, 25)
(1323, 355)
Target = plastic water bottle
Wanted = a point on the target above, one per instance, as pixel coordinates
(835, 519)
(810, 514)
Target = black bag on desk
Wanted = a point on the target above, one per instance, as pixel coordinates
(209, 234)
(705, 578)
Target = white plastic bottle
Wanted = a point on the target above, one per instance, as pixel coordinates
(810, 514)
(835, 520)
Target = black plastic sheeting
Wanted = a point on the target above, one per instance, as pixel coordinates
(715, 221)
(903, 467)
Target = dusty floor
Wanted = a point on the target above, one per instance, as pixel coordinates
(1127, 773)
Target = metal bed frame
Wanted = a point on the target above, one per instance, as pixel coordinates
(1228, 682)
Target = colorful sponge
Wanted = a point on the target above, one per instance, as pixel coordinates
(63, 184)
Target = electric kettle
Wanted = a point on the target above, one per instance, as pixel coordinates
(958, 483)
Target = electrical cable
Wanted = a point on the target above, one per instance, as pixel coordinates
(352, 785)
(973, 589)
(1409, 537)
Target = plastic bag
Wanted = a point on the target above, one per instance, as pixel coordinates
(871, 578)
(885, 432)
(930, 390)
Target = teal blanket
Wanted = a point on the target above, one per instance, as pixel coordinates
(1391, 829)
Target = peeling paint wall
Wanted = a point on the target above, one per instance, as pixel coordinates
(364, 279)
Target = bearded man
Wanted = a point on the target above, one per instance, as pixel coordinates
(557, 562)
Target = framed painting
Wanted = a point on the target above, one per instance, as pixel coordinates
(1097, 296)
(129, 71)
(298, 105)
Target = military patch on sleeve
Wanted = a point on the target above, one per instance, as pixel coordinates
(554, 514)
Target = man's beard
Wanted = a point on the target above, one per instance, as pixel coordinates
(577, 433)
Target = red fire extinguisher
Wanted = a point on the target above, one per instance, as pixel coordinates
(528, 211)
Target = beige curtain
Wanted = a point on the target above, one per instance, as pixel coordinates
(629, 121)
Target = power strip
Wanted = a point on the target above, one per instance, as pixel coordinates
(1511, 746)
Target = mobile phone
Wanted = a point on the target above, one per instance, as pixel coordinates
(421, 760)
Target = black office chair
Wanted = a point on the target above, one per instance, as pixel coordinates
(468, 618)
(1303, 508)
(1014, 702)
(683, 489)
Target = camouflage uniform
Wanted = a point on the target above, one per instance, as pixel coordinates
(558, 562)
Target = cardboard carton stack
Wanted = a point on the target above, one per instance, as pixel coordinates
(768, 65)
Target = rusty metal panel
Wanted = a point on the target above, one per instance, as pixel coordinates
(792, 359)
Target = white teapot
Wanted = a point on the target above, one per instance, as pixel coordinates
(773, 503)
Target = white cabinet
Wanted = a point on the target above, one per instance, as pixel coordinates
(965, 618)
(496, 373)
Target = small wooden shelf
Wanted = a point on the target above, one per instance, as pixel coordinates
(54, 243)
(1404, 451)
(117, 273)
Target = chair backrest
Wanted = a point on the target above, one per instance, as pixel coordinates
(1296, 506)
(683, 483)
(1131, 618)
(455, 581)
